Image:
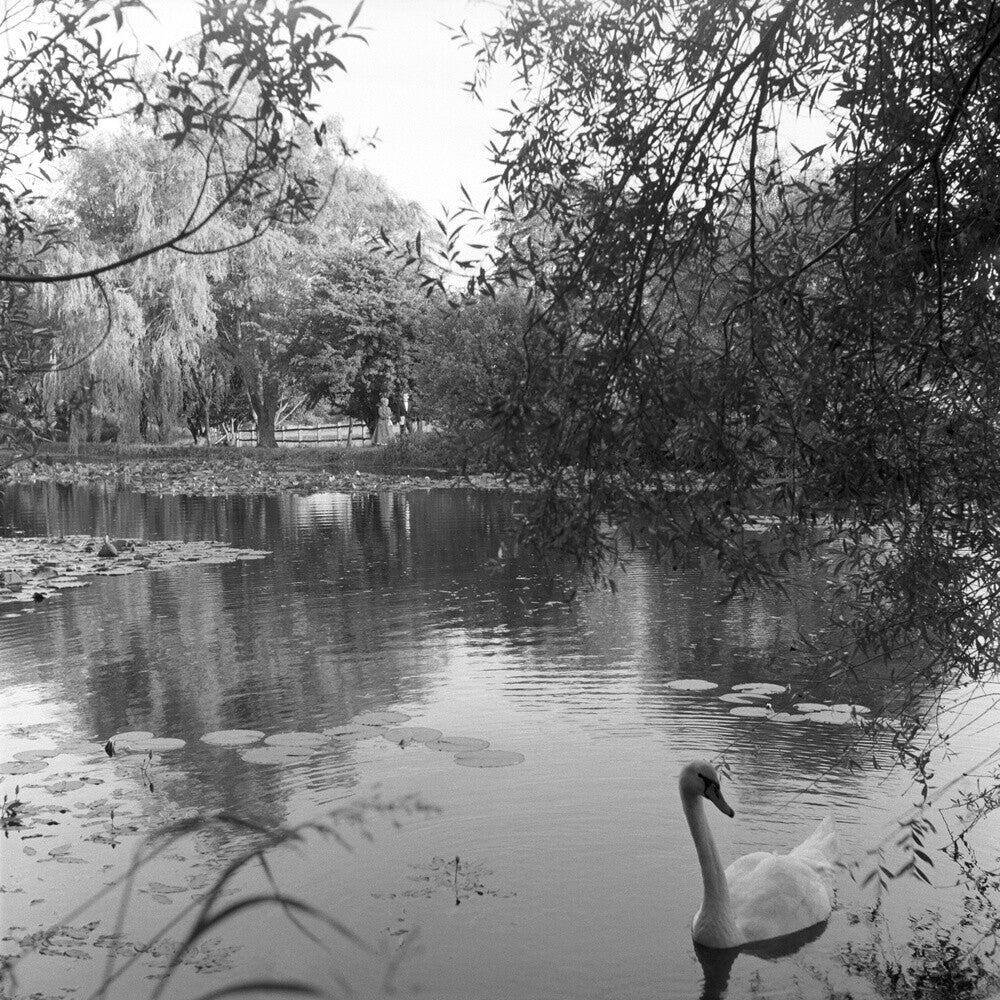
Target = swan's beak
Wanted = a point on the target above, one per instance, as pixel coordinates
(714, 795)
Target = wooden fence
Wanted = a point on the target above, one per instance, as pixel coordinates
(351, 433)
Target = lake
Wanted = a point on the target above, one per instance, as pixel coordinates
(570, 874)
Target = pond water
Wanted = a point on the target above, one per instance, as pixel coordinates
(570, 874)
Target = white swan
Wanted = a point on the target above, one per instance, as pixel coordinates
(760, 895)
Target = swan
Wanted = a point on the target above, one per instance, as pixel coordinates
(761, 895)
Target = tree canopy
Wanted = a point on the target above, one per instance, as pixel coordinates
(229, 108)
(740, 347)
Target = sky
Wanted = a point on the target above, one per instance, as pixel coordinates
(406, 84)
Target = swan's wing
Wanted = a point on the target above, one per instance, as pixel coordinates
(774, 895)
(821, 849)
(743, 868)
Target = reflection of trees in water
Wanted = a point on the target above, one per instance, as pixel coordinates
(295, 639)
(658, 627)
(364, 597)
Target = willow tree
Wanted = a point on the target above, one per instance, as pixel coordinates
(725, 326)
(306, 312)
(125, 190)
(235, 100)
(260, 306)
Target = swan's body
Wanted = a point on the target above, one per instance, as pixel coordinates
(760, 895)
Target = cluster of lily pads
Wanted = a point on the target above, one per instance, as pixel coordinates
(32, 569)
(747, 698)
(284, 748)
(219, 478)
(256, 747)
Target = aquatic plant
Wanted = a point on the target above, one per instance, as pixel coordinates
(208, 914)
(412, 734)
(937, 964)
(10, 812)
(232, 737)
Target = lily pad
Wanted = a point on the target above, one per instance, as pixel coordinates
(850, 709)
(832, 718)
(349, 733)
(132, 736)
(296, 740)
(489, 758)
(762, 687)
(691, 684)
(69, 785)
(35, 754)
(159, 744)
(380, 718)
(751, 712)
(811, 706)
(787, 717)
(232, 737)
(22, 766)
(276, 755)
(458, 744)
(736, 699)
(415, 734)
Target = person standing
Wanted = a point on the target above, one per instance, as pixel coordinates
(383, 427)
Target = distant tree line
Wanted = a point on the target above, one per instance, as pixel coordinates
(203, 260)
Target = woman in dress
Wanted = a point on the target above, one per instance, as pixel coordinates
(383, 428)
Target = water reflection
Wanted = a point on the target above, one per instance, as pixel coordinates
(378, 601)
(717, 963)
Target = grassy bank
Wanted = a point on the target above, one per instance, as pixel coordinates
(419, 454)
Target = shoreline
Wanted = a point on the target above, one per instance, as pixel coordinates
(239, 474)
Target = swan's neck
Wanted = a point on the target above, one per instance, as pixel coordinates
(715, 903)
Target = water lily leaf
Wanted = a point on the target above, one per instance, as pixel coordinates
(380, 718)
(296, 740)
(65, 786)
(833, 718)
(22, 766)
(232, 737)
(856, 709)
(458, 744)
(132, 735)
(811, 706)
(160, 744)
(736, 699)
(691, 684)
(416, 734)
(35, 754)
(489, 758)
(787, 717)
(761, 687)
(349, 733)
(276, 755)
(751, 712)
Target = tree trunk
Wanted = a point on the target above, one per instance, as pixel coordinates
(78, 425)
(264, 403)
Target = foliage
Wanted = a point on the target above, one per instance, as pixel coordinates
(259, 312)
(365, 319)
(939, 964)
(257, 847)
(722, 326)
(232, 106)
(125, 189)
(470, 357)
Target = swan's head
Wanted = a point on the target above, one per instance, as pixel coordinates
(701, 778)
